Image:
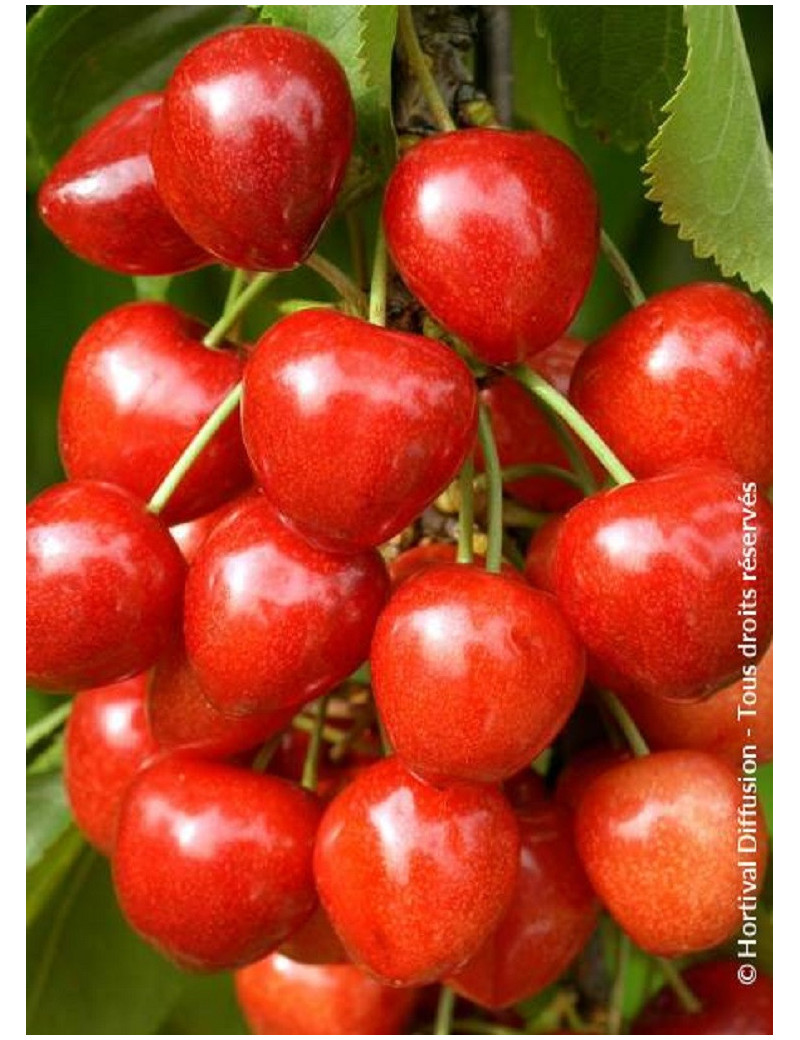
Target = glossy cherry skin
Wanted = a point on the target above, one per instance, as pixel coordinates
(106, 743)
(315, 942)
(583, 768)
(271, 621)
(252, 144)
(212, 864)
(496, 233)
(352, 430)
(651, 578)
(438, 864)
(473, 673)
(658, 838)
(523, 434)
(182, 718)
(422, 557)
(104, 585)
(729, 1007)
(191, 535)
(100, 198)
(552, 914)
(279, 996)
(138, 387)
(541, 554)
(686, 377)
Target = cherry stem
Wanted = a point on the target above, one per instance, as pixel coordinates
(45, 726)
(421, 69)
(466, 510)
(235, 286)
(311, 764)
(358, 251)
(264, 756)
(550, 397)
(195, 448)
(494, 485)
(676, 981)
(443, 1025)
(614, 1025)
(628, 727)
(352, 736)
(339, 281)
(621, 268)
(377, 289)
(516, 515)
(569, 445)
(236, 306)
(512, 553)
(510, 474)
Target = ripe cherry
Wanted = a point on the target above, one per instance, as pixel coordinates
(583, 768)
(280, 997)
(138, 386)
(666, 848)
(540, 558)
(315, 942)
(686, 377)
(271, 621)
(414, 877)
(352, 430)
(473, 673)
(100, 198)
(252, 144)
(104, 586)
(107, 741)
(212, 863)
(496, 233)
(191, 535)
(651, 577)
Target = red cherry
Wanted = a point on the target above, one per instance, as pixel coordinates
(212, 863)
(666, 848)
(316, 942)
(182, 718)
(496, 233)
(104, 586)
(729, 1006)
(107, 741)
(650, 575)
(280, 997)
(552, 914)
(583, 768)
(191, 535)
(100, 198)
(138, 386)
(353, 430)
(414, 877)
(540, 558)
(252, 144)
(686, 377)
(523, 434)
(473, 673)
(270, 621)
(421, 557)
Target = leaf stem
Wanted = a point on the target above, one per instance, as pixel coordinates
(676, 981)
(48, 724)
(377, 289)
(621, 268)
(236, 306)
(628, 727)
(311, 764)
(339, 281)
(443, 1025)
(419, 66)
(466, 510)
(494, 484)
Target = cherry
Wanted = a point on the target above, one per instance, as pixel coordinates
(496, 233)
(316, 942)
(104, 585)
(552, 914)
(281, 997)
(138, 386)
(651, 577)
(583, 768)
(100, 198)
(524, 436)
(252, 144)
(729, 1007)
(540, 558)
(666, 849)
(414, 877)
(212, 863)
(473, 673)
(686, 377)
(190, 535)
(271, 621)
(182, 718)
(107, 741)
(353, 430)
(421, 557)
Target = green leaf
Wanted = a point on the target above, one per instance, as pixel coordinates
(81, 61)
(47, 814)
(44, 880)
(207, 1006)
(616, 65)
(709, 166)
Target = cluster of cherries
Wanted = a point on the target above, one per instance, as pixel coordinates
(201, 628)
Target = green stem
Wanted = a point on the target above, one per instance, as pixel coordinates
(235, 287)
(523, 471)
(675, 980)
(550, 397)
(443, 1025)
(45, 726)
(466, 510)
(358, 252)
(330, 734)
(621, 268)
(339, 281)
(419, 66)
(264, 756)
(195, 448)
(512, 553)
(569, 445)
(615, 1003)
(494, 484)
(517, 515)
(352, 736)
(629, 729)
(234, 308)
(311, 764)
(377, 289)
